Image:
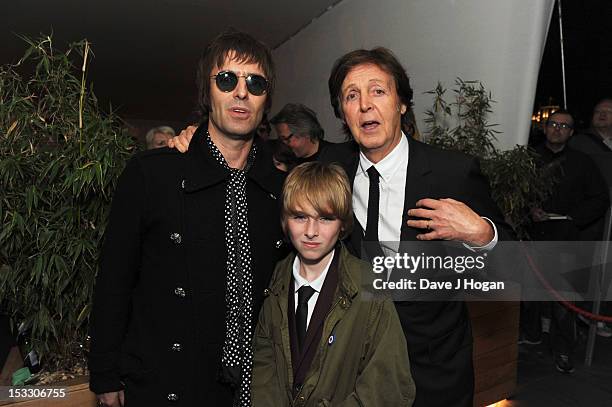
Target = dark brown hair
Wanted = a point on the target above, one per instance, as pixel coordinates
(385, 60)
(561, 111)
(245, 49)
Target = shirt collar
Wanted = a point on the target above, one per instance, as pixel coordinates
(204, 171)
(316, 284)
(388, 166)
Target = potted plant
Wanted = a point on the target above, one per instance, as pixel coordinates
(516, 182)
(60, 157)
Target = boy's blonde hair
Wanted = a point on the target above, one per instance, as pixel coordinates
(325, 187)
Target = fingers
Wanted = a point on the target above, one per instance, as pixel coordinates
(121, 398)
(448, 219)
(181, 142)
(433, 235)
(421, 223)
(421, 213)
(429, 203)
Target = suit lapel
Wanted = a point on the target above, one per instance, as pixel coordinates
(418, 185)
(350, 163)
(351, 167)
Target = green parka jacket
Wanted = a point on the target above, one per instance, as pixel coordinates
(364, 364)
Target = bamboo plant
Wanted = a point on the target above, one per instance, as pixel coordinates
(60, 156)
(517, 184)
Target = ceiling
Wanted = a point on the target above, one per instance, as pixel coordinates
(146, 51)
(587, 36)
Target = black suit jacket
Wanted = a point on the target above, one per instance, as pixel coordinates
(438, 334)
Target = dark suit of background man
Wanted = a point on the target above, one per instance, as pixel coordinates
(191, 242)
(370, 92)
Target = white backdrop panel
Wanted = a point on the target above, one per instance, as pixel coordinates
(498, 42)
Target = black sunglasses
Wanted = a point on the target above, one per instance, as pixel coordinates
(227, 81)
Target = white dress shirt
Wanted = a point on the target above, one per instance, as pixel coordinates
(393, 171)
(316, 284)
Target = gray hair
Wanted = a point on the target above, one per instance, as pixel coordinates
(300, 119)
(160, 129)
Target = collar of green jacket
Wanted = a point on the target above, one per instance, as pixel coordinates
(348, 282)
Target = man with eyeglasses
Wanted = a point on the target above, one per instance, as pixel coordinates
(597, 139)
(580, 197)
(190, 247)
(581, 192)
(298, 127)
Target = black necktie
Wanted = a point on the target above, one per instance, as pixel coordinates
(301, 313)
(371, 232)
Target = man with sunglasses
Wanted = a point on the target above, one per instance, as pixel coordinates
(580, 196)
(190, 247)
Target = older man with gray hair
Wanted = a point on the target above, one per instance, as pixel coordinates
(297, 126)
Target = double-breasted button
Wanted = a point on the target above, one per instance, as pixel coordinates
(176, 238)
(179, 292)
(183, 184)
(176, 347)
(266, 292)
(278, 244)
(173, 397)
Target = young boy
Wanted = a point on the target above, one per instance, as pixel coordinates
(318, 341)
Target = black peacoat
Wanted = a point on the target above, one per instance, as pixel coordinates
(158, 318)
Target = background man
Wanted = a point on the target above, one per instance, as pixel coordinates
(406, 190)
(581, 195)
(191, 242)
(298, 127)
(581, 192)
(597, 139)
(158, 137)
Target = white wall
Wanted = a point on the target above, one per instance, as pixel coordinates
(498, 42)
